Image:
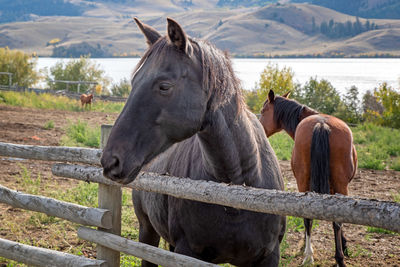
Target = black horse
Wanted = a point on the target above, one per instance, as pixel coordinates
(186, 116)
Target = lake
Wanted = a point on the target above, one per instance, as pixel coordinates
(364, 73)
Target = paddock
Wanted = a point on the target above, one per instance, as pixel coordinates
(381, 214)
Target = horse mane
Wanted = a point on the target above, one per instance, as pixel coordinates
(219, 78)
(288, 112)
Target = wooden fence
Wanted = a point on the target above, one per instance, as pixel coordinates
(107, 217)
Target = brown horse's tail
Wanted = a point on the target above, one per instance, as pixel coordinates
(320, 171)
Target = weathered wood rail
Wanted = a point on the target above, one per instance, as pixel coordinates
(72, 212)
(384, 214)
(339, 208)
(43, 257)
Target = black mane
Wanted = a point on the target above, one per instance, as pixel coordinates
(287, 112)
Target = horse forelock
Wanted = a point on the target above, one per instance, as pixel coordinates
(287, 113)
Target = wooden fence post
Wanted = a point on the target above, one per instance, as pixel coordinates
(110, 197)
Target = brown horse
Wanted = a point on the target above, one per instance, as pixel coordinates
(324, 159)
(86, 100)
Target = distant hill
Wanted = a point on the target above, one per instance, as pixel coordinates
(105, 28)
(19, 10)
(379, 9)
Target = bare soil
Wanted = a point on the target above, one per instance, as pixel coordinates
(26, 126)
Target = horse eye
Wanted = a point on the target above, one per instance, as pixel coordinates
(164, 86)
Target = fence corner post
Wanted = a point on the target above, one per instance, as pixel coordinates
(109, 197)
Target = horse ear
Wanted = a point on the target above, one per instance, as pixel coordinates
(177, 36)
(271, 96)
(286, 95)
(149, 32)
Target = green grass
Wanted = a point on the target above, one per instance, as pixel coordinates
(377, 147)
(82, 135)
(49, 125)
(282, 144)
(49, 101)
(371, 229)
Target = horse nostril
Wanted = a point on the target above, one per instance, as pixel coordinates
(114, 162)
(112, 167)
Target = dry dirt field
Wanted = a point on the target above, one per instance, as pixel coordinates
(26, 126)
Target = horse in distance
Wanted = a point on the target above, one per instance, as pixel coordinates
(86, 100)
(186, 116)
(324, 159)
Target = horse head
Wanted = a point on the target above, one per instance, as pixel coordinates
(267, 118)
(167, 103)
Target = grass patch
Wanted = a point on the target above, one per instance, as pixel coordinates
(82, 135)
(377, 147)
(377, 230)
(282, 144)
(358, 251)
(50, 101)
(49, 125)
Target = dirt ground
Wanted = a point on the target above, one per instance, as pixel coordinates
(26, 126)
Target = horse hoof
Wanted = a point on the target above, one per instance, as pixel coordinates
(308, 260)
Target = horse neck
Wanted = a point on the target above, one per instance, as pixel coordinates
(229, 147)
(306, 112)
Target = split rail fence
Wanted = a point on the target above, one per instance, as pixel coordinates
(107, 217)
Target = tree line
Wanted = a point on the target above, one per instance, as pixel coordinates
(334, 30)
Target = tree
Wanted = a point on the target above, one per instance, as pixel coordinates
(389, 98)
(349, 109)
(21, 65)
(319, 95)
(123, 88)
(82, 69)
(279, 80)
(372, 109)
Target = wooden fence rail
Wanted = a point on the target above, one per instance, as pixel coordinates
(52, 207)
(51, 153)
(43, 257)
(141, 250)
(384, 214)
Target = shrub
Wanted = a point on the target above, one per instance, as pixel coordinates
(82, 69)
(21, 65)
(80, 134)
(319, 95)
(279, 80)
(123, 88)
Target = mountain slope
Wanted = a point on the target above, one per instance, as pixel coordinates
(276, 29)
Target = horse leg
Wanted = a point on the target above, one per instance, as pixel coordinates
(308, 250)
(270, 260)
(344, 244)
(339, 256)
(182, 247)
(149, 236)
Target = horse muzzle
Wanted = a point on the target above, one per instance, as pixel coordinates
(113, 169)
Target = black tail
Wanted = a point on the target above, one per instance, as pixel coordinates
(320, 171)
